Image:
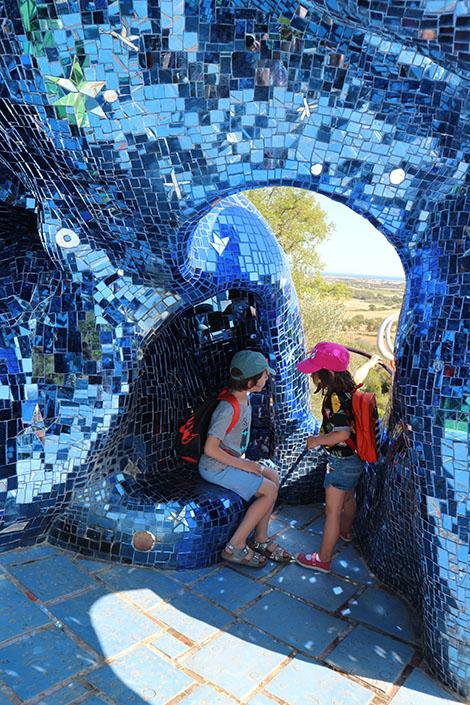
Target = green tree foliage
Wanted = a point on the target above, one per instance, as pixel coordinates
(298, 222)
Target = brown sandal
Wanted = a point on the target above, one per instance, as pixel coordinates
(271, 550)
(240, 556)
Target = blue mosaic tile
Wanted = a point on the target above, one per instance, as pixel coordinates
(207, 696)
(260, 699)
(420, 689)
(327, 591)
(305, 682)
(386, 612)
(140, 675)
(66, 695)
(17, 613)
(50, 654)
(51, 578)
(132, 267)
(253, 655)
(170, 645)
(96, 617)
(143, 587)
(190, 576)
(349, 563)
(316, 527)
(193, 616)
(94, 700)
(372, 657)
(229, 589)
(92, 566)
(34, 553)
(296, 623)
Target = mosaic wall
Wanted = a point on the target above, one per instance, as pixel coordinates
(126, 283)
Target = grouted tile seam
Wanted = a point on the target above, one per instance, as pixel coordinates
(54, 600)
(9, 692)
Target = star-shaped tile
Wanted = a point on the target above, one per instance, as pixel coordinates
(219, 243)
(306, 109)
(81, 96)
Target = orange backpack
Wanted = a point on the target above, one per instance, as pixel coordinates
(366, 424)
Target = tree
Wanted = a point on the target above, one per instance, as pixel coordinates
(298, 222)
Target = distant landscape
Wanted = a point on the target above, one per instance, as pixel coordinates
(370, 301)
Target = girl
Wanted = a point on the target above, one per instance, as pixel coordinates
(328, 365)
(223, 463)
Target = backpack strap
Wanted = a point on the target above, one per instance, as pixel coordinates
(225, 395)
(349, 442)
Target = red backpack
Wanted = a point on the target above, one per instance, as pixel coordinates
(193, 433)
(366, 424)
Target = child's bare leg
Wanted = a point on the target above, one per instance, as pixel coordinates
(349, 512)
(334, 505)
(262, 506)
(261, 529)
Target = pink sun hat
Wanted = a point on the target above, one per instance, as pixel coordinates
(325, 356)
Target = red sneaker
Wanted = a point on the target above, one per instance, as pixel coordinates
(311, 561)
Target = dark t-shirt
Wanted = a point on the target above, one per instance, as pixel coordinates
(338, 416)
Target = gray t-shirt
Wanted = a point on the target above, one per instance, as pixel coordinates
(235, 442)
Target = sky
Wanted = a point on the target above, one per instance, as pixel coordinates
(356, 247)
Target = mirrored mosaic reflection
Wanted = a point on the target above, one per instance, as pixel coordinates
(126, 283)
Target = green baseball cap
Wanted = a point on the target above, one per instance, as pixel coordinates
(250, 364)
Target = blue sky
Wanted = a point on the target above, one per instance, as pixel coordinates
(356, 247)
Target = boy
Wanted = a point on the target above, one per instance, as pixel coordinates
(223, 463)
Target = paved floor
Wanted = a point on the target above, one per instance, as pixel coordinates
(79, 631)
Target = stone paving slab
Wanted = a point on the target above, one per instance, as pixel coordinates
(238, 660)
(142, 586)
(421, 689)
(16, 615)
(230, 589)
(65, 695)
(327, 591)
(52, 578)
(108, 634)
(304, 682)
(207, 696)
(170, 645)
(349, 564)
(36, 662)
(385, 611)
(94, 615)
(193, 616)
(24, 555)
(140, 676)
(375, 658)
(294, 622)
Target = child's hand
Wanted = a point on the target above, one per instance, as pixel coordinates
(313, 442)
(253, 466)
(374, 360)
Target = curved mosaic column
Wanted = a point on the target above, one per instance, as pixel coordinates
(412, 529)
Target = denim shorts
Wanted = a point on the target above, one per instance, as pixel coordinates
(246, 484)
(343, 473)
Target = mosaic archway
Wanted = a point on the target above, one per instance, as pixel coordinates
(121, 126)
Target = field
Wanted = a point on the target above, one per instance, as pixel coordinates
(369, 303)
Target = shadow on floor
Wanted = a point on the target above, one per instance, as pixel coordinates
(73, 629)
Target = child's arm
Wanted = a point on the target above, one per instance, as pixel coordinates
(328, 439)
(213, 450)
(362, 371)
